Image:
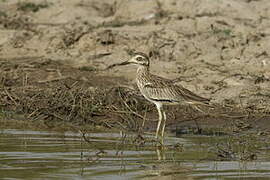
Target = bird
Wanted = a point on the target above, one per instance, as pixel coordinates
(161, 91)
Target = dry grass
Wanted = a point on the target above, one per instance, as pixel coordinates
(51, 92)
(61, 98)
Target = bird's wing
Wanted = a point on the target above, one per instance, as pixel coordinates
(192, 97)
(159, 88)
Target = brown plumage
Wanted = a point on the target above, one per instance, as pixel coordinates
(161, 91)
(157, 88)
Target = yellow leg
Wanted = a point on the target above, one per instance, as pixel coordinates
(158, 154)
(164, 124)
(159, 108)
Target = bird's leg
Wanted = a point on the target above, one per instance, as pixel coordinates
(160, 153)
(164, 124)
(160, 114)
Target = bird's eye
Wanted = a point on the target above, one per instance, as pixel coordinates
(139, 58)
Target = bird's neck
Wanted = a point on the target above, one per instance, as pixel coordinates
(142, 70)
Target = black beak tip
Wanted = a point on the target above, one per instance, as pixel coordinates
(124, 63)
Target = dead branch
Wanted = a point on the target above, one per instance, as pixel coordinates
(54, 79)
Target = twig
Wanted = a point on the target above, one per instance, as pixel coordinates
(96, 56)
(84, 137)
(20, 58)
(32, 113)
(54, 79)
(9, 95)
(140, 116)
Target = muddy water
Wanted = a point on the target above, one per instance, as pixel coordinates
(26, 154)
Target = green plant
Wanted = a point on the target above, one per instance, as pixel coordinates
(3, 14)
(227, 32)
(29, 6)
(87, 68)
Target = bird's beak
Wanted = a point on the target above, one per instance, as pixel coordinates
(130, 61)
(120, 64)
(124, 63)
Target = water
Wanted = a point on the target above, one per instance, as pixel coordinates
(26, 154)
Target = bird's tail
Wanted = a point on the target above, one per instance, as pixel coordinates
(205, 102)
(197, 106)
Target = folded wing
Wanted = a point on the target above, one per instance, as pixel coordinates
(160, 89)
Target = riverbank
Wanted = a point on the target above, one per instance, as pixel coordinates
(52, 62)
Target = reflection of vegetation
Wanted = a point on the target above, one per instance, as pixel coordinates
(28, 6)
(234, 147)
(243, 148)
(1, 113)
(5, 114)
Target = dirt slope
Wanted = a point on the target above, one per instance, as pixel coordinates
(217, 48)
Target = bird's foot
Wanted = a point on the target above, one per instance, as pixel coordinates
(158, 141)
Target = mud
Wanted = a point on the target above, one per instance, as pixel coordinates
(53, 56)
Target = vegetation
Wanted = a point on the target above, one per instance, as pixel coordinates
(31, 7)
(3, 14)
(87, 68)
(215, 30)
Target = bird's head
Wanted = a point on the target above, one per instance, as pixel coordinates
(139, 58)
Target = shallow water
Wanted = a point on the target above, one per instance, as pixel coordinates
(26, 154)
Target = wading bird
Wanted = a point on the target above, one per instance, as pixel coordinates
(161, 91)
